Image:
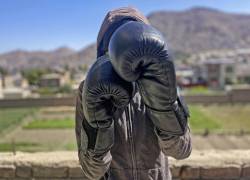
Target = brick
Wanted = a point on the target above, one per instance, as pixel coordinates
(23, 171)
(48, 178)
(246, 171)
(175, 171)
(227, 172)
(52, 172)
(7, 171)
(17, 178)
(75, 172)
(188, 172)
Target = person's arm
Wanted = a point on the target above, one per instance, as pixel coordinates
(93, 166)
(139, 53)
(102, 96)
(179, 147)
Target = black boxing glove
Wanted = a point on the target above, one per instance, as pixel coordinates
(104, 95)
(139, 53)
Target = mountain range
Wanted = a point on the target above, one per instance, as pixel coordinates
(187, 32)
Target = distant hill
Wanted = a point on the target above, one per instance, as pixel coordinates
(84, 56)
(20, 59)
(31, 59)
(203, 29)
(190, 31)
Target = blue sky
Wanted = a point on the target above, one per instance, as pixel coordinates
(49, 24)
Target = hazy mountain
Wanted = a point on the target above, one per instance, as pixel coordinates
(31, 59)
(202, 29)
(84, 56)
(190, 31)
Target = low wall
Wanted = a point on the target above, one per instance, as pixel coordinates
(209, 99)
(38, 102)
(70, 100)
(209, 165)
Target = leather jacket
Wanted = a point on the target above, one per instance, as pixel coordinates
(139, 152)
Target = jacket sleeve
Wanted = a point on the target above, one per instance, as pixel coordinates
(94, 165)
(178, 147)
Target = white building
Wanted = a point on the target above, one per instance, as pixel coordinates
(15, 87)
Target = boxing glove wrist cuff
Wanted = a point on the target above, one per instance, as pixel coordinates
(103, 140)
(173, 121)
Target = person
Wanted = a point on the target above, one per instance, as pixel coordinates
(129, 116)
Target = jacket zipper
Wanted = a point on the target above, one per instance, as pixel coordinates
(131, 140)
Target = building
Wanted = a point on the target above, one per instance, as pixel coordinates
(15, 87)
(220, 72)
(1, 88)
(77, 79)
(15, 80)
(243, 72)
(185, 76)
(54, 80)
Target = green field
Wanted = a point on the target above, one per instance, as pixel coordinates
(48, 129)
(20, 146)
(202, 91)
(13, 117)
(33, 147)
(51, 124)
(200, 120)
(222, 118)
(212, 117)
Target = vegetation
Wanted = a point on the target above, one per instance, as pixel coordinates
(46, 91)
(3, 73)
(201, 90)
(21, 146)
(51, 124)
(223, 118)
(202, 121)
(211, 118)
(84, 68)
(70, 146)
(66, 89)
(181, 56)
(33, 75)
(13, 117)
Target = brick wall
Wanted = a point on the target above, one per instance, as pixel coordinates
(209, 165)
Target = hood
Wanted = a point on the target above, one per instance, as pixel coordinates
(112, 21)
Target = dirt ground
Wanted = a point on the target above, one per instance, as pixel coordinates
(57, 139)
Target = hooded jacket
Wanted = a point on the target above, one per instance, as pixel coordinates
(139, 151)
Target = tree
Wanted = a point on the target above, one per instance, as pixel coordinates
(3, 73)
(33, 75)
(66, 89)
(84, 68)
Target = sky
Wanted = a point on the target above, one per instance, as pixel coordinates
(50, 24)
